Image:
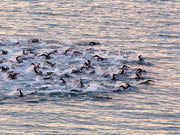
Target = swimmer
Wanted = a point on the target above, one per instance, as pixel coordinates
(88, 63)
(35, 40)
(141, 58)
(106, 75)
(51, 64)
(84, 68)
(19, 61)
(21, 94)
(125, 87)
(47, 78)
(81, 84)
(125, 67)
(148, 82)
(63, 81)
(24, 53)
(35, 69)
(65, 76)
(48, 54)
(4, 52)
(75, 90)
(122, 87)
(13, 75)
(138, 77)
(31, 50)
(139, 73)
(99, 58)
(93, 43)
(76, 53)
(50, 73)
(5, 68)
(65, 53)
(76, 71)
(92, 72)
(122, 72)
(114, 77)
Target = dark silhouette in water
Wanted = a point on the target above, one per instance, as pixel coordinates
(35, 69)
(75, 90)
(76, 53)
(138, 73)
(50, 63)
(4, 68)
(31, 50)
(122, 87)
(35, 40)
(65, 76)
(138, 77)
(81, 84)
(49, 73)
(19, 60)
(24, 53)
(84, 68)
(88, 64)
(93, 43)
(125, 67)
(147, 82)
(65, 53)
(125, 87)
(47, 78)
(141, 58)
(48, 54)
(4, 52)
(63, 81)
(122, 72)
(76, 71)
(99, 58)
(13, 75)
(21, 94)
(114, 77)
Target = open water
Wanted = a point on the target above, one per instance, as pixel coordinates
(61, 98)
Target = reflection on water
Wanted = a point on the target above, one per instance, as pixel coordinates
(123, 28)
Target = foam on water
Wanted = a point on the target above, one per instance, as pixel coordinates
(67, 60)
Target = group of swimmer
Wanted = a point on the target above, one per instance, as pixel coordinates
(88, 67)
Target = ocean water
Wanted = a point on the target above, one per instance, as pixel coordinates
(90, 101)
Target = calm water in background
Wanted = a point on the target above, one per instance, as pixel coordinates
(149, 27)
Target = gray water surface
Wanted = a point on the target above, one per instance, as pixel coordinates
(124, 30)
